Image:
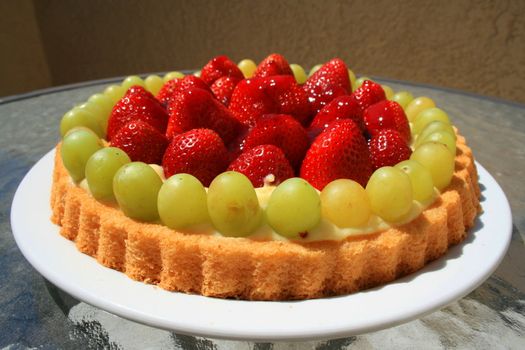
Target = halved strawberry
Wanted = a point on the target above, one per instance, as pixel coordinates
(277, 94)
(172, 88)
(342, 107)
(386, 115)
(261, 161)
(339, 152)
(197, 108)
(223, 88)
(141, 142)
(274, 64)
(199, 152)
(280, 130)
(387, 148)
(220, 66)
(137, 104)
(329, 82)
(368, 94)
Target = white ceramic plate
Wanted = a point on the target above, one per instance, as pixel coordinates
(463, 268)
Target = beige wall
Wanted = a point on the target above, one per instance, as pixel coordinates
(477, 46)
(23, 64)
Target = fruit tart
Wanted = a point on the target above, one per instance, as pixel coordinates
(261, 182)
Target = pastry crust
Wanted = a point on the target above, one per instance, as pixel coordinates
(264, 270)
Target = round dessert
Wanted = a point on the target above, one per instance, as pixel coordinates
(261, 183)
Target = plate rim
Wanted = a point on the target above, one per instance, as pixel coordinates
(130, 311)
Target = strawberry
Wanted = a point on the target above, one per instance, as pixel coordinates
(172, 88)
(137, 89)
(342, 107)
(220, 66)
(274, 64)
(137, 104)
(249, 102)
(368, 94)
(280, 130)
(223, 87)
(199, 152)
(263, 160)
(141, 142)
(387, 148)
(277, 94)
(197, 108)
(386, 115)
(165, 92)
(340, 151)
(329, 82)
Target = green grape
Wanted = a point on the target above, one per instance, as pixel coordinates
(136, 186)
(80, 117)
(77, 146)
(233, 205)
(159, 170)
(76, 128)
(294, 208)
(390, 193)
(172, 75)
(403, 98)
(420, 178)
(115, 93)
(105, 106)
(360, 81)
(436, 126)
(443, 137)
(314, 69)
(438, 160)
(389, 93)
(103, 102)
(153, 84)
(298, 73)
(352, 78)
(345, 203)
(247, 67)
(100, 169)
(417, 105)
(428, 116)
(132, 80)
(90, 107)
(182, 202)
(96, 113)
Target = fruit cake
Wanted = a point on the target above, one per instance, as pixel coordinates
(261, 182)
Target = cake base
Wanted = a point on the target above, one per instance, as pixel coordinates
(264, 270)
